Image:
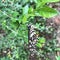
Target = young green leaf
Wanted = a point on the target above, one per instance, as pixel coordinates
(41, 40)
(38, 45)
(46, 12)
(24, 19)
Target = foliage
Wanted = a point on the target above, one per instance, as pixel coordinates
(15, 15)
(58, 58)
(40, 42)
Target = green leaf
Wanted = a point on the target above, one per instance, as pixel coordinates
(46, 12)
(38, 45)
(41, 40)
(57, 49)
(25, 9)
(24, 19)
(58, 58)
(31, 11)
(47, 1)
